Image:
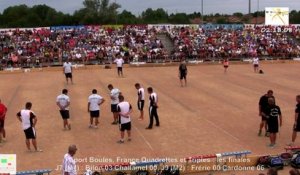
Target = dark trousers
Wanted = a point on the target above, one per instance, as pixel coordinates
(153, 114)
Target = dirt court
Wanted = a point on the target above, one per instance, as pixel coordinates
(215, 113)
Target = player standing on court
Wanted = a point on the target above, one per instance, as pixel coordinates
(67, 70)
(141, 100)
(63, 102)
(94, 102)
(272, 113)
(124, 110)
(69, 163)
(225, 64)
(114, 96)
(255, 62)
(119, 61)
(3, 111)
(297, 121)
(29, 120)
(153, 108)
(182, 72)
(262, 106)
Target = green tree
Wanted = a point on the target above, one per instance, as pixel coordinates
(155, 16)
(179, 18)
(98, 12)
(127, 17)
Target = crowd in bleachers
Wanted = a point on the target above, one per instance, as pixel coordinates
(82, 45)
(91, 45)
(264, 41)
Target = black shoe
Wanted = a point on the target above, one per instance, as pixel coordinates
(157, 125)
(149, 128)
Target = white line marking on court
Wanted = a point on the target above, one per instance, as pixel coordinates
(223, 130)
(149, 145)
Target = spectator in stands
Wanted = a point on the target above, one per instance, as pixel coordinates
(273, 114)
(69, 163)
(3, 111)
(29, 120)
(124, 111)
(296, 127)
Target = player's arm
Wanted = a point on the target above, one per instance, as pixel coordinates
(19, 116)
(126, 115)
(68, 104)
(102, 101)
(280, 117)
(58, 104)
(88, 106)
(34, 119)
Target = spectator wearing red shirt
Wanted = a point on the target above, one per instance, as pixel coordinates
(3, 111)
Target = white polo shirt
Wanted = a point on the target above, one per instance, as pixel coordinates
(67, 67)
(63, 100)
(119, 62)
(27, 117)
(114, 94)
(124, 107)
(153, 98)
(69, 165)
(255, 61)
(94, 101)
(141, 92)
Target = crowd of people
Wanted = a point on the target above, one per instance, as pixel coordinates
(43, 46)
(218, 43)
(96, 45)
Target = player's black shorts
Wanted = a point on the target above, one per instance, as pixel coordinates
(68, 75)
(1, 123)
(114, 108)
(255, 65)
(64, 114)
(30, 133)
(182, 76)
(297, 127)
(120, 69)
(125, 126)
(272, 125)
(141, 104)
(95, 114)
(226, 66)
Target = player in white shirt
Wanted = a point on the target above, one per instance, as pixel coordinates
(119, 61)
(67, 70)
(94, 102)
(255, 62)
(63, 102)
(29, 120)
(114, 96)
(153, 100)
(141, 100)
(124, 111)
(69, 163)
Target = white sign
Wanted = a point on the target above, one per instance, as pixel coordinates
(8, 164)
(277, 16)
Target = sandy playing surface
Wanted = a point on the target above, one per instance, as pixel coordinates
(215, 113)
